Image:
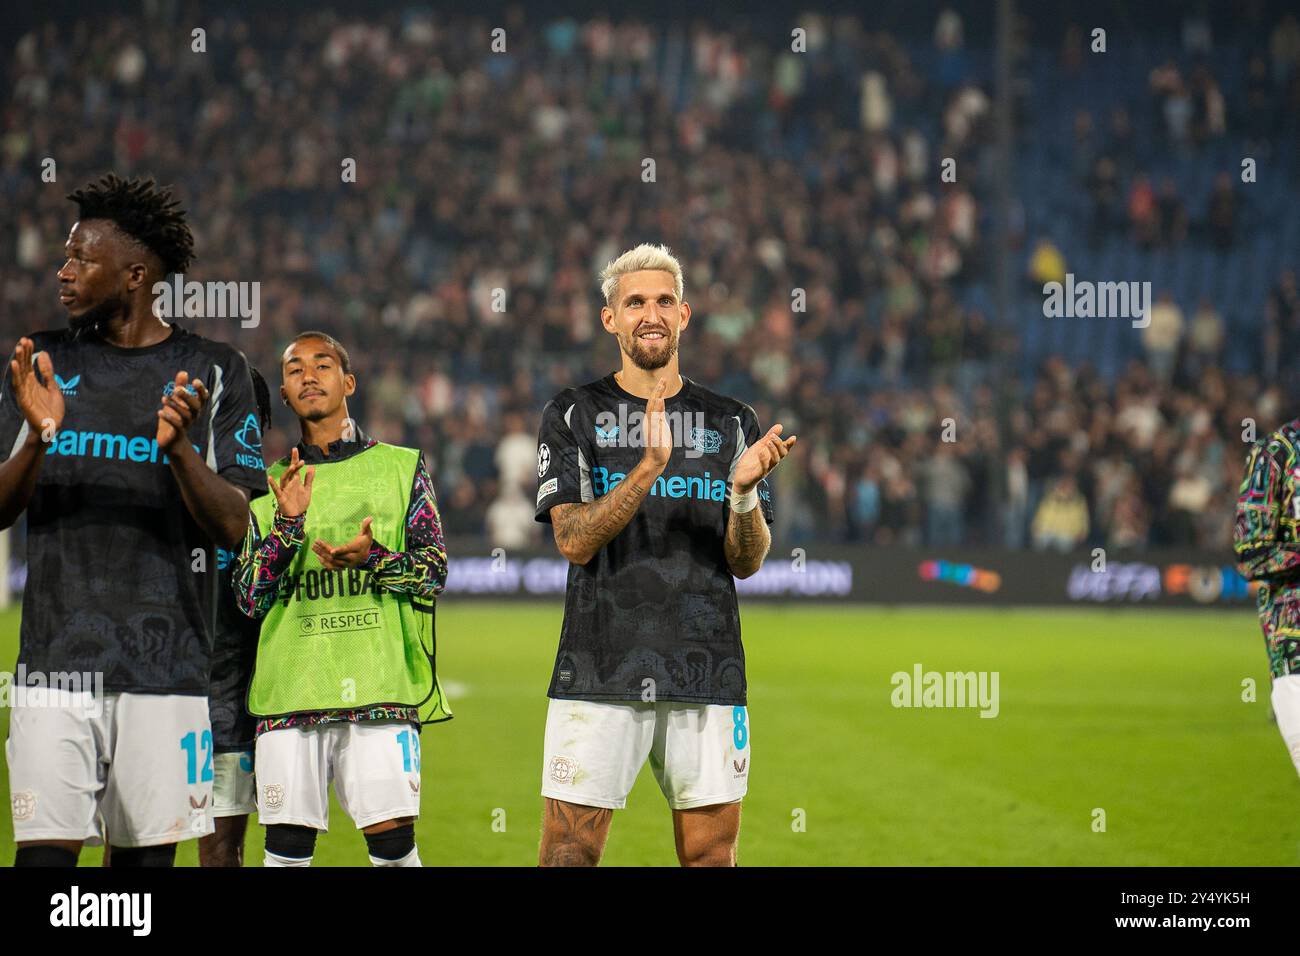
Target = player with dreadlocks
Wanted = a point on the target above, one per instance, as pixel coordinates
(134, 447)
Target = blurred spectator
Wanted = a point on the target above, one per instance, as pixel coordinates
(949, 41)
(877, 109)
(946, 483)
(1197, 37)
(1143, 214)
(1104, 189)
(1015, 509)
(1162, 336)
(1170, 213)
(1205, 335)
(1188, 499)
(1281, 326)
(1121, 147)
(866, 503)
(1046, 264)
(1284, 48)
(1061, 522)
(516, 454)
(1209, 108)
(1084, 151)
(1260, 107)
(510, 521)
(1129, 524)
(1222, 215)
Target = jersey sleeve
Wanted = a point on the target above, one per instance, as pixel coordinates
(262, 562)
(749, 432)
(1265, 502)
(563, 473)
(422, 568)
(235, 442)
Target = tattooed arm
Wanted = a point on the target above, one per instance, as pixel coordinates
(583, 529)
(747, 538)
(746, 542)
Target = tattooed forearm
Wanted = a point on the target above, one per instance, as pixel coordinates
(746, 542)
(573, 835)
(583, 529)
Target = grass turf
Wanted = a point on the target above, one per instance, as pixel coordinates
(1135, 713)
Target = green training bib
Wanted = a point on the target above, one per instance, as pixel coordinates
(336, 640)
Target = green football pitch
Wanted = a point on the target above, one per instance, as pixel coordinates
(1131, 719)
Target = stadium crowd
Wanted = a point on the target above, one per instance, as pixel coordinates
(825, 258)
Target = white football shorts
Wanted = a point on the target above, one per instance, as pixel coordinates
(594, 750)
(234, 792)
(135, 769)
(374, 766)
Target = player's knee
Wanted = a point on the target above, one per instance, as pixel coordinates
(573, 835)
(563, 846)
(222, 849)
(395, 847)
(569, 852)
(143, 856)
(288, 844)
(45, 855)
(708, 853)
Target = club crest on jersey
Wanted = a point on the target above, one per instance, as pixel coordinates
(705, 440)
(543, 459)
(69, 386)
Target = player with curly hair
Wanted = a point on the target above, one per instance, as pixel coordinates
(133, 446)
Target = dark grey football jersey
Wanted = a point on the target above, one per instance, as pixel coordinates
(658, 602)
(114, 581)
(234, 651)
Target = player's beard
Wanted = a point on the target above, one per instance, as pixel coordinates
(88, 320)
(651, 359)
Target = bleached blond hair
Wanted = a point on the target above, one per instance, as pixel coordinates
(643, 257)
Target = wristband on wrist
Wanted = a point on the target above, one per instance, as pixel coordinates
(746, 502)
